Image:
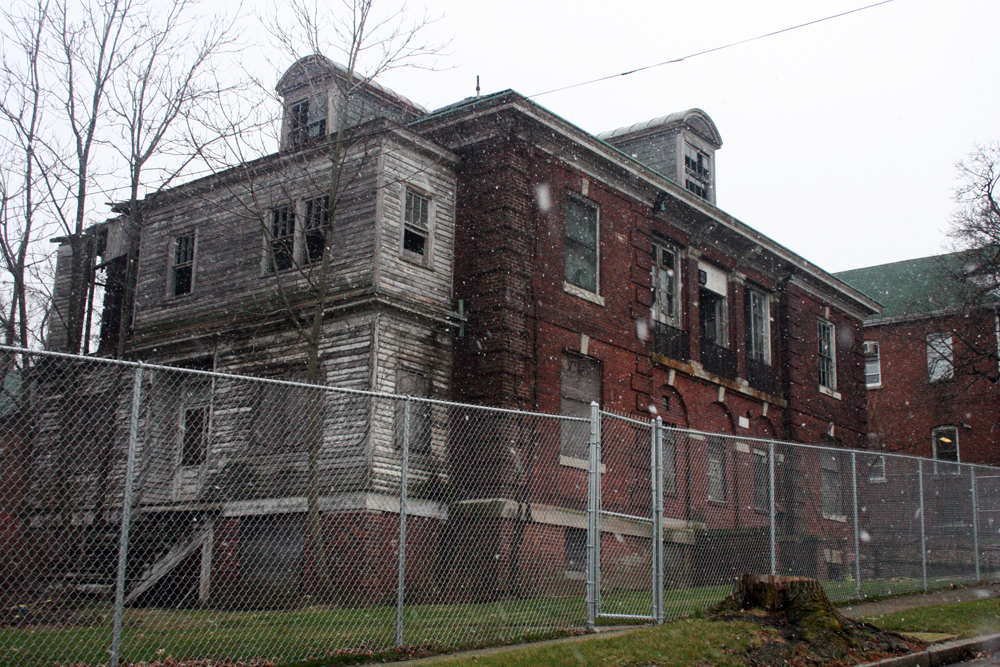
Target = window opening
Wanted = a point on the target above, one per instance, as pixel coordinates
(945, 443)
(300, 129)
(833, 496)
(195, 440)
(282, 238)
(873, 365)
(409, 383)
(827, 355)
(716, 487)
(666, 286)
(758, 320)
(581, 385)
(940, 357)
(581, 254)
(876, 469)
(576, 549)
(183, 270)
(317, 224)
(416, 223)
(698, 171)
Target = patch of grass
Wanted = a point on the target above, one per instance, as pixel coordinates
(965, 619)
(683, 642)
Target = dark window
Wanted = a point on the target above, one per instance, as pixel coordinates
(581, 385)
(581, 256)
(305, 123)
(416, 223)
(712, 314)
(316, 227)
(827, 359)
(195, 438)
(183, 268)
(576, 550)
(698, 171)
(945, 441)
(282, 238)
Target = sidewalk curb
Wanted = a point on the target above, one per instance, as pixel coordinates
(942, 654)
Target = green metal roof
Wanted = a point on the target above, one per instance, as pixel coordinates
(918, 286)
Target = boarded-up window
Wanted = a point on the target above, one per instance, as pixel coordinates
(581, 386)
(833, 492)
(410, 383)
(716, 471)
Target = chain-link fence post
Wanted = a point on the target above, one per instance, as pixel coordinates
(857, 529)
(975, 519)
(401, 575)
(593, 520)
(657, 542)
(133, 436)
(923, 530)
(774, 535)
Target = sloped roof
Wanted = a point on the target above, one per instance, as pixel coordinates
(918, 286)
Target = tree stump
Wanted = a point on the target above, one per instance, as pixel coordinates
(802, 610)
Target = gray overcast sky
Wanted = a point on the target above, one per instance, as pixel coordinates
(840, 139)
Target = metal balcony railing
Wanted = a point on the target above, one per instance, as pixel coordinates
(718, 360)
(670, 342)
(762, 377)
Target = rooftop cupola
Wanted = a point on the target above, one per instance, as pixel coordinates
(681, 146)
(312, 91)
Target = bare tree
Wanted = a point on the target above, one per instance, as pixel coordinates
(22, 110)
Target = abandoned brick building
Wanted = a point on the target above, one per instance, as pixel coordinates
(489, 252)
(930, 359)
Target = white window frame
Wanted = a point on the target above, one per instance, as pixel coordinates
(936, 434)
(569, 283)
(666, 285)
(762, 352)
(940, 357)
(873, 364)
(826, 354)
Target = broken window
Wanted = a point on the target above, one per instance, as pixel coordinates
(182, 271)
(306, 122)
(317, 225)
(945, 443)
(697, 171)
(666, 286)
(417, 385)
(282, 239)
(416, 225)
(581, 254)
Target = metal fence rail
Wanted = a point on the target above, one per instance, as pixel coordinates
(150, 512)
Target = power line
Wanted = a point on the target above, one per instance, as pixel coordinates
(712, 50)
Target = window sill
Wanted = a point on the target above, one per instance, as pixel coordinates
(586, 295)
(839, 518)
(877, 480)
(575, 462)
(418, 259)
(826, 391)
(873, 386)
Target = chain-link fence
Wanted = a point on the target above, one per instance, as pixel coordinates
(149, 513)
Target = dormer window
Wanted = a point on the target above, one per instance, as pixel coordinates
(697, 171)
(306, 123)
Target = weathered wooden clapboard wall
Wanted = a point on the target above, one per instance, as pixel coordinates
(387, 314)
